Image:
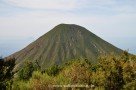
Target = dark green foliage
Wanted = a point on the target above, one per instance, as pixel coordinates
(130, 86)
(53, 70)
(6, 74)
(115, 80)
(94, 68)
(118, 70)
(26, 72)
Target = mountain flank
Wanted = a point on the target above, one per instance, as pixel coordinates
(64, 42)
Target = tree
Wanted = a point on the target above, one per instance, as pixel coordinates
(53, 70)
(26, 72)
(6, 72)
(113, 72)
(78, 71)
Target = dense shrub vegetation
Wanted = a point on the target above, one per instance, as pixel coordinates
(110, 73)
(26, 72)
(6, 74)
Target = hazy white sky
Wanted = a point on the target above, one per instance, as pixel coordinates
(32, 18)
(21, 19)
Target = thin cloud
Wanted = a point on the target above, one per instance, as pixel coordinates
(116, 6)
(113, 16)
(44, 4)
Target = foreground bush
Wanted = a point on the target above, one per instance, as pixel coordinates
(6, 74)
(26, 72)
(78, 72)
(110, 73)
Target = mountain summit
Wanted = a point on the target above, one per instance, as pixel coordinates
(62, 43)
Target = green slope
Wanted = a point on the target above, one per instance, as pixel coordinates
(62, 43)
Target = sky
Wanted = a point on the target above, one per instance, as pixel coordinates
(23, 21)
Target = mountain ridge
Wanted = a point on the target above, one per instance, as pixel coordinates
(62, 43)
